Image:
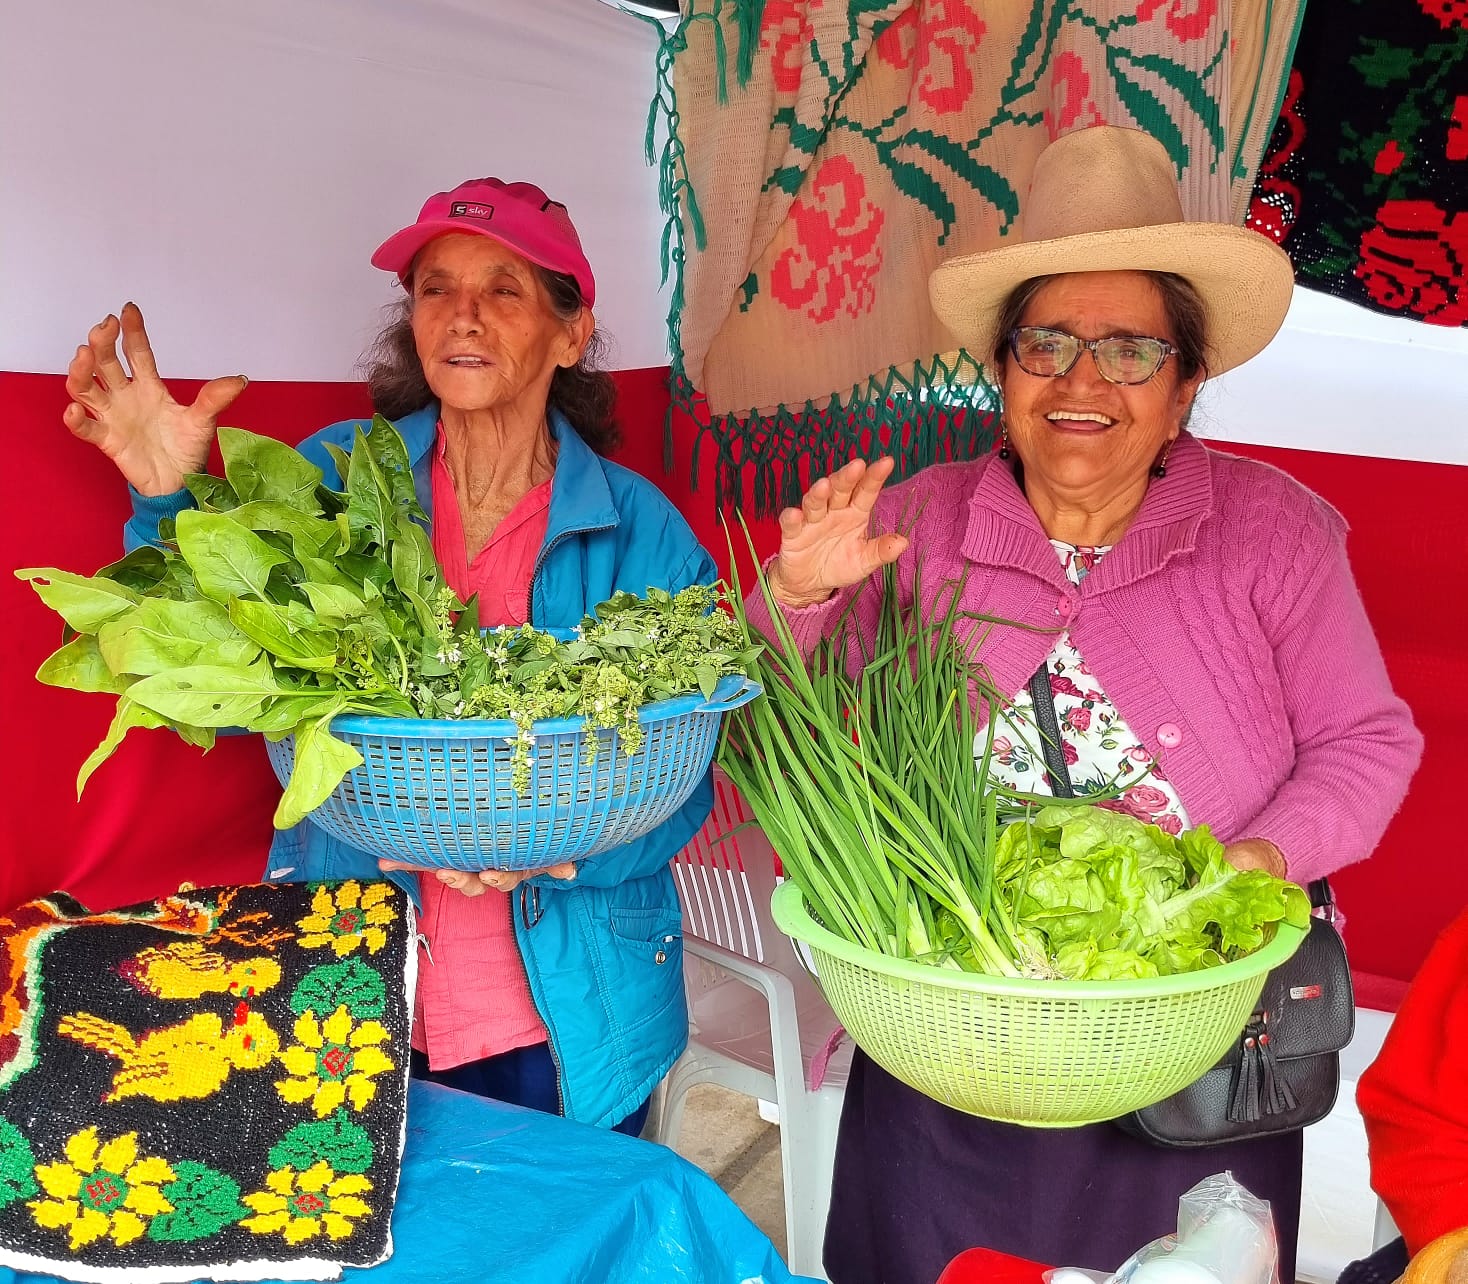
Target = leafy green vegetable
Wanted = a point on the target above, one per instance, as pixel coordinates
(279, 603)
(864, 783)
(1112, 896)
(85, 604)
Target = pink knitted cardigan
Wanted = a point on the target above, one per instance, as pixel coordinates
(1225, 626)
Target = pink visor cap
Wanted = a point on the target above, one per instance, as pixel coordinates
(518, 215)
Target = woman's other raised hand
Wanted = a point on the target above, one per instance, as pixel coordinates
(826, 543)
(134, 420)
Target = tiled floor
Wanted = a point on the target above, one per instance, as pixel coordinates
(723, 1134)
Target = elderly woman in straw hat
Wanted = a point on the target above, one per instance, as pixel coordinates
(562, 989)
(1192, 617)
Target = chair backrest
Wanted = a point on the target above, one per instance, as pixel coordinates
(725, 878)
(726, 875)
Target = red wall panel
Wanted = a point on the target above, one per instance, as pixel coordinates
(160, 812)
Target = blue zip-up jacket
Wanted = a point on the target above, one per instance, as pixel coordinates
(604, 952)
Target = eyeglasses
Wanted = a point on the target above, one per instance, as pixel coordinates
(1121, 358)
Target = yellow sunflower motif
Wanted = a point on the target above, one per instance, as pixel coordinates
(101, 1189)
(347, 918)
(301, 1205)
(333, 1061)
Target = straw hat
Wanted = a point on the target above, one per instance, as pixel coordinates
(1106, 199)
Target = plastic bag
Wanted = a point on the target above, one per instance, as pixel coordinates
(1225, 1235)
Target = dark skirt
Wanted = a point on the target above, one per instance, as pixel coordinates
(916, 1183)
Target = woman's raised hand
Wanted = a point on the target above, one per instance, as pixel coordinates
(825, 544)
(134, 421)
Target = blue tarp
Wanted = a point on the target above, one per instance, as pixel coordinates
(493, 1192)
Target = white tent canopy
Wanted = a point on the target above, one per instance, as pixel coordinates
(232, 167)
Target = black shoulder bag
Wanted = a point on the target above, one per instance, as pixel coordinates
(1284, 1070)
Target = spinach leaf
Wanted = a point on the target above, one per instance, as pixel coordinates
(414, 567)
(261, 468)
(285, 635)
(128, 716)
(211, 695)
(369, 503)
(343, 461)
(227, 560)
(333, 602)
(159, 634)
(393, 466)
(79, 666)
(85, 604)
(310, 534)
(322, 761)
(212, 494)
(285, 713)
(139, 570)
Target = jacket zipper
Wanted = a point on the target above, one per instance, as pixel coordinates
(546, 552)
(525, 891)
(550, 1034)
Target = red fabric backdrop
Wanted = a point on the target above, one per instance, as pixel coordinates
(160, 812)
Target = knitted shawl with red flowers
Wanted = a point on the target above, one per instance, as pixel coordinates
(823, 156)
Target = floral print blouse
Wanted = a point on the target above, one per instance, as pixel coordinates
(1098, 746)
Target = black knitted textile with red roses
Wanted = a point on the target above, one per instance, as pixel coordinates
(1365, 181)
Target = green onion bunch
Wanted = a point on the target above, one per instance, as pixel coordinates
(865, 780)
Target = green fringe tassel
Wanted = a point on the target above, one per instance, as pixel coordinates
(932, 412)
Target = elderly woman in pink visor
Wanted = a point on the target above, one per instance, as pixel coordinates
(561, 990)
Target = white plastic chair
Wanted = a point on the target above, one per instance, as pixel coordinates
(758, 1024)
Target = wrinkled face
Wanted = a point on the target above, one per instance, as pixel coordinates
(483, 325)
(1077, 432)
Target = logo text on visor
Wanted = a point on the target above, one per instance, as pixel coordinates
(471, 209)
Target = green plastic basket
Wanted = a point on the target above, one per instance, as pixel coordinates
(1048, 1054)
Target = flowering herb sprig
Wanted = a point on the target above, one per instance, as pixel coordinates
(629, 652)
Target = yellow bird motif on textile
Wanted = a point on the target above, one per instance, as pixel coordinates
(190, 970)
(185, 1061)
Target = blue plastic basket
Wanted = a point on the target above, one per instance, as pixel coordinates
(438, 792)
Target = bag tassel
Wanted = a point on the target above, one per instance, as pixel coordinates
(1244, 1106)
(1278, 1098)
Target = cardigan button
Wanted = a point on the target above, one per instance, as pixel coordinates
(1063, 608)
(1169, 735)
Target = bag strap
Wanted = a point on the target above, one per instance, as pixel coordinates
(1048, 723)
(1322, 897)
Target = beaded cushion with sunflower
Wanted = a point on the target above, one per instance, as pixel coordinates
(211, 1085)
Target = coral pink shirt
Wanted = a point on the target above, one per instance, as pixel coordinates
(473, 997)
